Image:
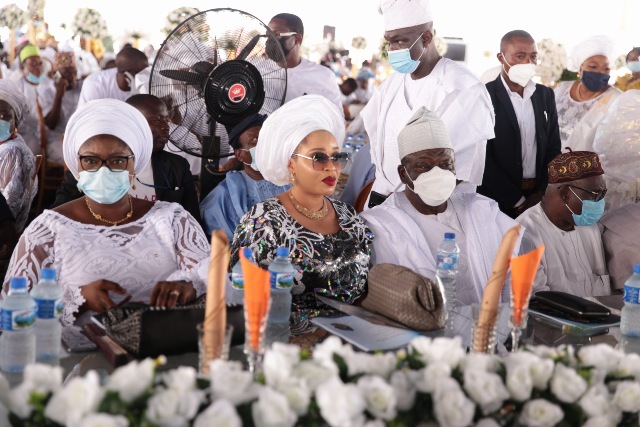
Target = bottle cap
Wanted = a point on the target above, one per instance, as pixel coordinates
(636, 268)
(47, 274)
(18, 283)
(450, 236)
(282, 252)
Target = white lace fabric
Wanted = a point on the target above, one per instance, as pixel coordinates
(17, 166)
(165, 244)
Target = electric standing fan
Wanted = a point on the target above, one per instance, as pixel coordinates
(213, 70)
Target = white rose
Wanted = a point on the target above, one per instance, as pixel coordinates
(220, 413)
(104, 420)
(404, 389)
(171, 407)
(427, 378)
(19, 399)
(627, 396)
(487, 422)
(601, 421)
(382, 364)
(541, 413)
(486, 389)
(596, 401)
(323, 353)
(480, 361)
(541, 373)
(375, 423)
(519, 382)
(341, 405)
(131, 380)
(379, 396)
(600, 356)
(312, 373)
(297, 393)
(229, 381)
(43, 378)
(448, 350)
(279, 361)
(452, 408)
(181, 379)
(80, 397)
(629, 365)
(544, 351)
(272, 410)
(566, 384)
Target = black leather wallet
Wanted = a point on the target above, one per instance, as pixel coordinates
(571, 304)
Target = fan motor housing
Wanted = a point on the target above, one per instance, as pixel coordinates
(234, 90)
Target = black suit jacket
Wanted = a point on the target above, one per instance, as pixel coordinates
(172, 180)
(502, 180)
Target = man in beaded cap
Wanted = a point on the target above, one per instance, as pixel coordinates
(565, 222)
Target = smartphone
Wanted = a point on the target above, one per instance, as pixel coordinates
(75, 341)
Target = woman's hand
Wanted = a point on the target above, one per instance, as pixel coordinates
(97, 297)
(170, 294)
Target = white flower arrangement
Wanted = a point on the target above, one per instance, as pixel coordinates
(12, 17)
(359, 42)
(89, 23)
(433, 382)
(177, 17)
(552, 60)
(36, 8)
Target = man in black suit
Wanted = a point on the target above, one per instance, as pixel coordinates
(170, 178)
(527, 136)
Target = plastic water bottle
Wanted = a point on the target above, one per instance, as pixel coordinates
(630, 315)
(348, 147)
(18, 317)
(359, 144)
(237, 278)
(281, 274)
(446, 272)
(48, 297)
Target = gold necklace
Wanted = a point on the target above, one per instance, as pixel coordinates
(100, 218)
(319, 214)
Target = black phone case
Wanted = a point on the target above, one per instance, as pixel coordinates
(566, 305)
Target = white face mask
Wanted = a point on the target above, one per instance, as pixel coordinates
(520, 74)
(434, 187)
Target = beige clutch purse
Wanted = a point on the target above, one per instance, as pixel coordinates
(403, 295)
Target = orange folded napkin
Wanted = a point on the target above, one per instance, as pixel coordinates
(523, 272)
(257, 291)
(215, 317)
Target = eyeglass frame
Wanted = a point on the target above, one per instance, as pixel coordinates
(285, 34)
(599, 195)
(103, 162)
(323, 164)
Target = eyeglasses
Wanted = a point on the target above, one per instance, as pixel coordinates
(595, 195)
(287, 34)
(115, 164)
(321, 160)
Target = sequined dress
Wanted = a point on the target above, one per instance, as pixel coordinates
(336, 264)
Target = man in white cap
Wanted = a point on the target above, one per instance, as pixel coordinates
(410, 225)
(423, 78)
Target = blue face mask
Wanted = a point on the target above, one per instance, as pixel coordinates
(104, 186)
(5, 130)
(401, 60)
(591, 211)
(253, 164)
(32, 78)
(594, 81)
(634, 66)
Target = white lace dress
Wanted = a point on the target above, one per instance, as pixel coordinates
(17, 184)
(165, 244)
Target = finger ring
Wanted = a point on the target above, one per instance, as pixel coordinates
(176, 293)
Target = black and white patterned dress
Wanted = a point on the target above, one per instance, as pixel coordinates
(336, 265)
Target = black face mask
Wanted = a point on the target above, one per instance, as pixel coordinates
(594, 81)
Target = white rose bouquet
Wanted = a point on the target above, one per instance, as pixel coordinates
(178, 16)
(12, 17)
(552, 60)
(433, 382)
(89, 23)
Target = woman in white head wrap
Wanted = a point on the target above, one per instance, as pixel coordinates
(328, 243)
(582, 104)
(109, 246)
(18, 183)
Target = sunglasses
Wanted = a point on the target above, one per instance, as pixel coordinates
(595, 195)
(321, 160)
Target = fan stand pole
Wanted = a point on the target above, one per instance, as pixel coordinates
(210, 162)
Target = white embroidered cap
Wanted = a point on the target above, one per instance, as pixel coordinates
(424, 131)
(404, 13)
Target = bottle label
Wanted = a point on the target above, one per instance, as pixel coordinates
(448, 262)
(237, 281)
(17, 320)
(631, 294)
(284, 280)
(49, 308)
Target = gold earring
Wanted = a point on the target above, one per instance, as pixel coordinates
(292, 179)
(133, 187)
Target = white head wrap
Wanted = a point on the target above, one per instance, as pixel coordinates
(404, 13)
(424, 131)
(596, 45)
(11, 93)
(108, 117)
(285, 128)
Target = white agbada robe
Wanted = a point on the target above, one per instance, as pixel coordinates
(102, 85)
(573, 261)
(69, 105)
(404, 236)
(453, 93)
(308, 77)
(30, 126)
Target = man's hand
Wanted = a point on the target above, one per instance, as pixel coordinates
(531, 201)
(61, 86)
(170, 294)
(97, 297)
